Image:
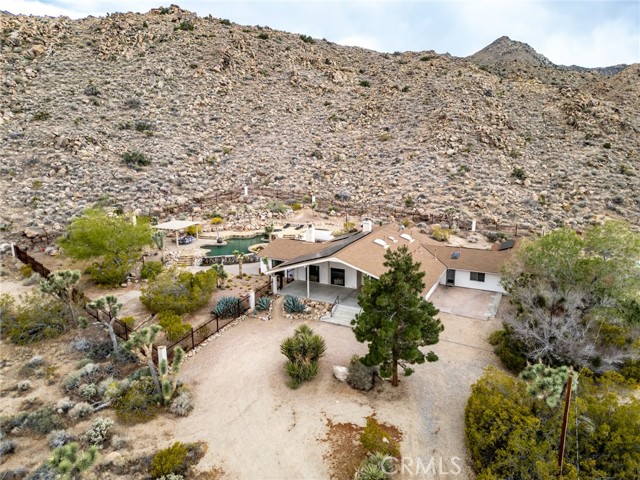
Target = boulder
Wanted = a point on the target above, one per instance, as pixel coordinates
(340, 373)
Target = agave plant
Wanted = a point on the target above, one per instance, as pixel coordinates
(227, 307)
(293, 304)
(263, 304)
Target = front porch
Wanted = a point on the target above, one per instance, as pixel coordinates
(323, 292)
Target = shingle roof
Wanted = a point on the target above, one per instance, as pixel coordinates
(285, 249)
(472, 259)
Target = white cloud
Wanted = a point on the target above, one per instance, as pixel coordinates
(364, 41)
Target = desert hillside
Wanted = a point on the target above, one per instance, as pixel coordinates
(212, 105)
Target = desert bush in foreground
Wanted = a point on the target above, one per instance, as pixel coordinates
(170, 460)
(150, 270)
(376, 439)
(173, 325)
(179, 291)
(504, 422)
(34, 318)
(139, 403)
(360, 376)
(303, 351)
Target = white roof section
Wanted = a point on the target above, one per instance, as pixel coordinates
(176, 225)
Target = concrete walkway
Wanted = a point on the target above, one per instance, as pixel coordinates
(466, 302)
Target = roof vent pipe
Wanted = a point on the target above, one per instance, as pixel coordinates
(367, 225)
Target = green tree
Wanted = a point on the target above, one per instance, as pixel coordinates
(577, 297)
(112, 239)
(61, 285)
(179, 291)
(107, 309)
(221, 273)
(395, 319)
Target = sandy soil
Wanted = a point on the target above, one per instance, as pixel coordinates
(257, 428)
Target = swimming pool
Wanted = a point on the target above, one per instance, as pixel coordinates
(241, 244)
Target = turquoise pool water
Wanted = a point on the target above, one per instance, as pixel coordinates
(241, 244)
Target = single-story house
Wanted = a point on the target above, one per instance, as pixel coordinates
(346, 261)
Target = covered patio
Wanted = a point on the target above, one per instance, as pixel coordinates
(177, 225)
(322, 292)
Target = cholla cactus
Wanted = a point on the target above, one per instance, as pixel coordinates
(69, 461)
(169, 377)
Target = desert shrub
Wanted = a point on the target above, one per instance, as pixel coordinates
(150, 270)
(34, 318)
(440, 234)
(276, 207)
(7, 447)
(179, 291)
(227, 307)
(375, 438)
(88, 390)
(171, 476)
(303, 351)
(26, 271)
(135, 159)
(630, 370)
(295, 206)
(182, 404)
(99, 431)
(87, 374)
(263, 304)
(35, 361)
(139, 403)
(377, 466)
(307, 39)
(293, 304)
(503, 421)
(360, 376)
(512, 352)
(143, 126)
(168, 461)
(65, 404)
(80, 411)
(263, 35)
(59, 438)
(111, 271)
(496, 236)
(100, 351)
(185, 25)
(24, 385)
(365, 83)
(118, 442)
(225, 21)
(91, 90)
(42, 421)
(519, 173)
(173, 326)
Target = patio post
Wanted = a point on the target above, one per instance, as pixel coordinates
(252, 300)
(274, 284)
(307, 272)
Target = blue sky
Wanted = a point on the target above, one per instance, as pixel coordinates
(587, 33)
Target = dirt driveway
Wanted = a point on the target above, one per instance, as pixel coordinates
(257, 428)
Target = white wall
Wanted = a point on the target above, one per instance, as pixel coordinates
(491, 281)
(432, 289)
(350, 274)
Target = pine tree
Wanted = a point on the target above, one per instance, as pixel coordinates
(395, 319)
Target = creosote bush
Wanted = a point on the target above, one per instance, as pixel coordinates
(376, 439)
(139, 403)
(179, 291)
(135, 159)
(171, 460)
(173, 325)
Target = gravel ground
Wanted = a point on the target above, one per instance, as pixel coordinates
(257, 428)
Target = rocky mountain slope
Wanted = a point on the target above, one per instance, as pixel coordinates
(214, 105)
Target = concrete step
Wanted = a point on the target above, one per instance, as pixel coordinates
(342, 315)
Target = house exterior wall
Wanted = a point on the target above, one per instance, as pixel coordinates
(350, 274)
(432, 289)
(491, 281)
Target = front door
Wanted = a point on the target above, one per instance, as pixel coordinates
(337, 277)
(314, 273)
(451, 277)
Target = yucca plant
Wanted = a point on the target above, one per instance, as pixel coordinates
(303, 351)
(226, 307)
(377, 466)
(293, 304)
(263, 304)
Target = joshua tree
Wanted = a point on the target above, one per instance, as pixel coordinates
(108, 305)
(141, 343)
(268, 230)
(240, 257)
(169, 378)
(61, 285)
(69, 462)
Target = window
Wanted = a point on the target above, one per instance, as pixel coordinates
(477, 277)
(314, 273)
(337, 276)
